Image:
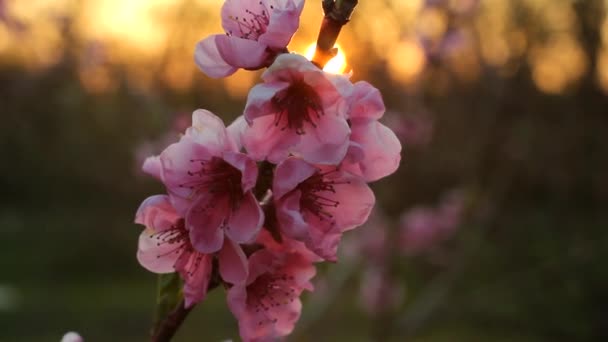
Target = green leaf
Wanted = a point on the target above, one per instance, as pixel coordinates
(169, 296)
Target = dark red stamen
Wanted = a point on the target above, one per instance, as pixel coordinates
(297, 105)
(269, 291)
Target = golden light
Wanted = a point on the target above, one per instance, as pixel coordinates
(336, 65)
(406, 60)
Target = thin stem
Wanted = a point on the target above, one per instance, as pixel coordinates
(171, 323)
(337, 14)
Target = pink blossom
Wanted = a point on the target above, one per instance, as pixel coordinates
(72, 336)
(422, 228)
(316, 204)
(209, 183)
(256, 31)
(374, 151)
(165, 247)
(297, 110)
(379, 292)
(267, 305)
(419, 230)
(372, 241)
(412, 130)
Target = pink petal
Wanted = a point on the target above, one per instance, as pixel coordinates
(381, 151)
(245, 221)
(289, 215)
(241, 53)
(287, 66)
(209, 130)
(289, 174)
(235, 132)
(283, 24)
(263, 140)
(196, 281)
(248, 168)
(327, 144)
(157, 213)
(204, 221)
(233, 263)
(259, 100)
(152, 166)
(356, 201)
(366, 102)
(323, 236)
(233, 9)
(209, 60)
(177, 160)
(155, 257)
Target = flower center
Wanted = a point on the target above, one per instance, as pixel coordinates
(252, 24)
(296, 105)
(269, 291)
(316, 195)
(216, 177)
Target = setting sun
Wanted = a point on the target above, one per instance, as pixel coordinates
(336, 65)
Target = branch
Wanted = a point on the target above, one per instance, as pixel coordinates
(337, 14)
(171, 323)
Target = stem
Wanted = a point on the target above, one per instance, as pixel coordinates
(337, 14)
(171, 323)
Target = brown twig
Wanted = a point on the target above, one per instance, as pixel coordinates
(171, 323)
(337, 14)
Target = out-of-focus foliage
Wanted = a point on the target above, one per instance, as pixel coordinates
(506, 99)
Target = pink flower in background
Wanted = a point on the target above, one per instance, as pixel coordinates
(256, 31)
(419, 231)
(267, 305)
(317, 204)
(424, 228)
(209, 183)
(372, 241)
(379, 293)
(297, 110)
(165, 247)
(412, 130)
(374, 151)
(72, 337)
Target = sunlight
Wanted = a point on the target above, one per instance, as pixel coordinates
(336, 65)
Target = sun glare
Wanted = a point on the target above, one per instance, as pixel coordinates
(336, 65)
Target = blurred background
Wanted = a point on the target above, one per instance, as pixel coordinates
(494, 228)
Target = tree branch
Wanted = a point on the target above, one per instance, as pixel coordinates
(337, 14)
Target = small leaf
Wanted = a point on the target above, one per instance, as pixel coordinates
(169, 296)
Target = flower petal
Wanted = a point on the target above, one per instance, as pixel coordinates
(289, 215)
(327, 144)
(289, 174)
(245, 221)
(381, 151)
(209, 60)
(152, 166)
(264, 140)
(235, 132)
(156, 213)
(204, 221)
(233, 263)
(241, 53)
(154, 256)
(283, 24)
(197, 275)
(259, 100)
(209, 130)
(248, 168)
(366, 102)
